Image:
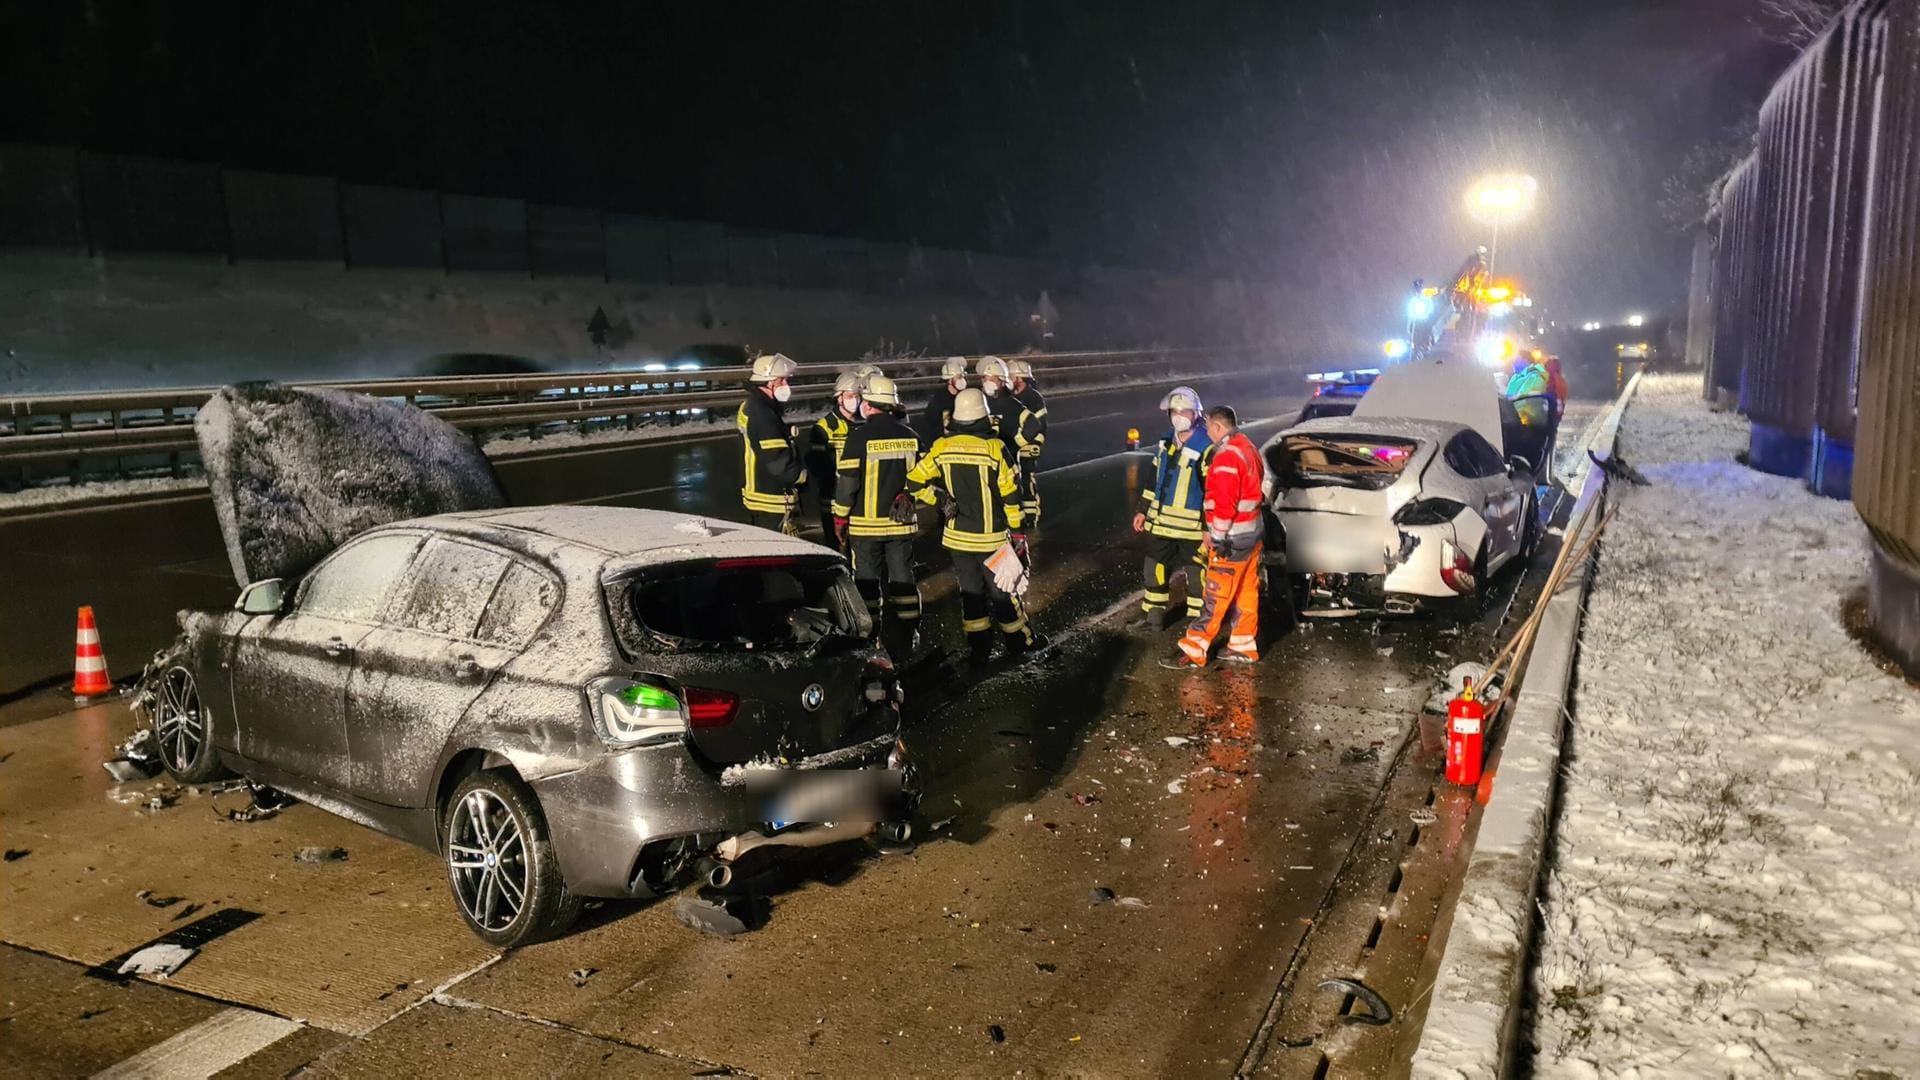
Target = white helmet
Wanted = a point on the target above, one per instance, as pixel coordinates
(953, 367)
(849, 382)
(770, 366)
(1181, 397)
(1020, 369)
(882, 391)
(968, 406)
(868, 371)
(992, 367)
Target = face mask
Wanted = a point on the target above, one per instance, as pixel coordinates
(1182, 423)
(850, 405)
(959, 384)
(991, 386)
(782, 392)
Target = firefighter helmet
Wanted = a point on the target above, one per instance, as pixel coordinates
(849, 382)
(968, 406)
(868, 371)
(1020, 369)
(771, 366)
(882, 391)
(991, 367)
(1181, 397)
(953, 367)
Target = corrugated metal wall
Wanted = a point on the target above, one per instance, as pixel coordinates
(1886, 480)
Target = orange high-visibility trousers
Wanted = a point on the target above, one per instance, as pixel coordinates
(1231, 588)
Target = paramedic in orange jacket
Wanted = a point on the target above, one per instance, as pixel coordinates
(1235, 529)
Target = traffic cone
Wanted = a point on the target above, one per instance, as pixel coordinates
(89, 663)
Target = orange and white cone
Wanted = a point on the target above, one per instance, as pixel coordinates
(89, 663)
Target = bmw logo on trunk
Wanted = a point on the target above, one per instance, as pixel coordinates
(813, 696)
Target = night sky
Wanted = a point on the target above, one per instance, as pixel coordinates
(1323, 148)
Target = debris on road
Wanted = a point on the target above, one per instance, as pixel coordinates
(126, 771)
(18, 853)
(134, 759)
(1356, 755)
(1127, 842)
(1175, 787)
(1131, 902)
(997, 1033)
(1177, 741)
(320, 855)
(581, 975)
(158, 961)
(1421, 815)
(1378, 1012)
(707, 916)
(157, 901)
(1083, 800)
(265, 802)
(1045, 968)
(1100, 895)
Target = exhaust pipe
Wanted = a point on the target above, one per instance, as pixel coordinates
(896, 832)
(713, 873)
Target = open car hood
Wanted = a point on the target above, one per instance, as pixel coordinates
(297, 472)
(1455, 392)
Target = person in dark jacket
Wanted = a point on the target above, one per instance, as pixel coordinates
(1170, 510)
(772, 472)
(939, 409)
(969, 468)
(825, 441)
(876, 518)
(1029, 437)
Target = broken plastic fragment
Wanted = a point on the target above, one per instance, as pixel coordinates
(1177, 740)
(158, 961)
(707, 916)
(1175, 787)
(1100, 895)
(320, 855)
(1130, 902)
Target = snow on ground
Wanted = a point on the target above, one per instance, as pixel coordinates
(36, 498)
(1737, 878)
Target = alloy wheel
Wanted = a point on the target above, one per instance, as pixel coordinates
(179, 726)
(487, 857)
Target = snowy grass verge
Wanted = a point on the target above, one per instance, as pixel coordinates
(1736, 888)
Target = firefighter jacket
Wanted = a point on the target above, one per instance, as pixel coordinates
(1030, 432)
(825, 440)
(1179, 493)
(1003, 411)
(771, 471)
(1233, 513)
(937, 416)
(873, 470)
(971, 468)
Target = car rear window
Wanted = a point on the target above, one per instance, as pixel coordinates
(1339, 460)
(738, 604)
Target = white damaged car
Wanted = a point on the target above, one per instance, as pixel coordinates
(1422, 494)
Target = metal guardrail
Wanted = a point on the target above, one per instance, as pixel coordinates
(121, 424)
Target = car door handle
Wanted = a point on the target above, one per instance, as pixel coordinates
(335, 648)
(467, 668)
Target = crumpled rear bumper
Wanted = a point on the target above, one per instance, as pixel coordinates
(599, 817)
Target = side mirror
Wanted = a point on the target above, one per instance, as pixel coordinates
(1517, 464)
(264, 597)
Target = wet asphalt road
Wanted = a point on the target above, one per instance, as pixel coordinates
(1251, 846)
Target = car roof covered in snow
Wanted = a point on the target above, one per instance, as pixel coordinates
(1453, 393)
(627, 538)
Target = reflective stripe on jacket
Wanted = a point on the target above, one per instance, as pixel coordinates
(1179, 492)
(873, 469)
(1234, 476)
(1030, 432)
(771, 471)
(972, 468)
(825, 440)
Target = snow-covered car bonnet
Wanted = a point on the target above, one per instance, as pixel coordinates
(296, 472)
(1456, 393)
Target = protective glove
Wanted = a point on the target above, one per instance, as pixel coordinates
(950, 509)
(1221, 548)
(903, 511)
(840, 530)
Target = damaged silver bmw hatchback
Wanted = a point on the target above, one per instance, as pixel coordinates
(564, 702)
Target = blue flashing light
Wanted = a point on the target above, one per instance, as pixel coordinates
(1419, 307)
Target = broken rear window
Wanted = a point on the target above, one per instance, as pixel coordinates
(1332, 460)
(781, 602)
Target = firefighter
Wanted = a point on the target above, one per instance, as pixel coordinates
(1030, 437)
(969, 468)
(939, 411)
(1170, 509)
(1234, 525)
(1003, 409)
(876, 518)
(773, 471)
(825, 441)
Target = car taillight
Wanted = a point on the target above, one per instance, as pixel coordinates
(1428, 512)
(632, 713)
(710, 708)
(1456, 569)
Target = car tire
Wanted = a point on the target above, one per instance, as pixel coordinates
(183, 728)
(502, 870)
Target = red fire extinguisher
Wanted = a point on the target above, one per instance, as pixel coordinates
(1465, 717)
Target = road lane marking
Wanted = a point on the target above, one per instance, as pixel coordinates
(224, 1039)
